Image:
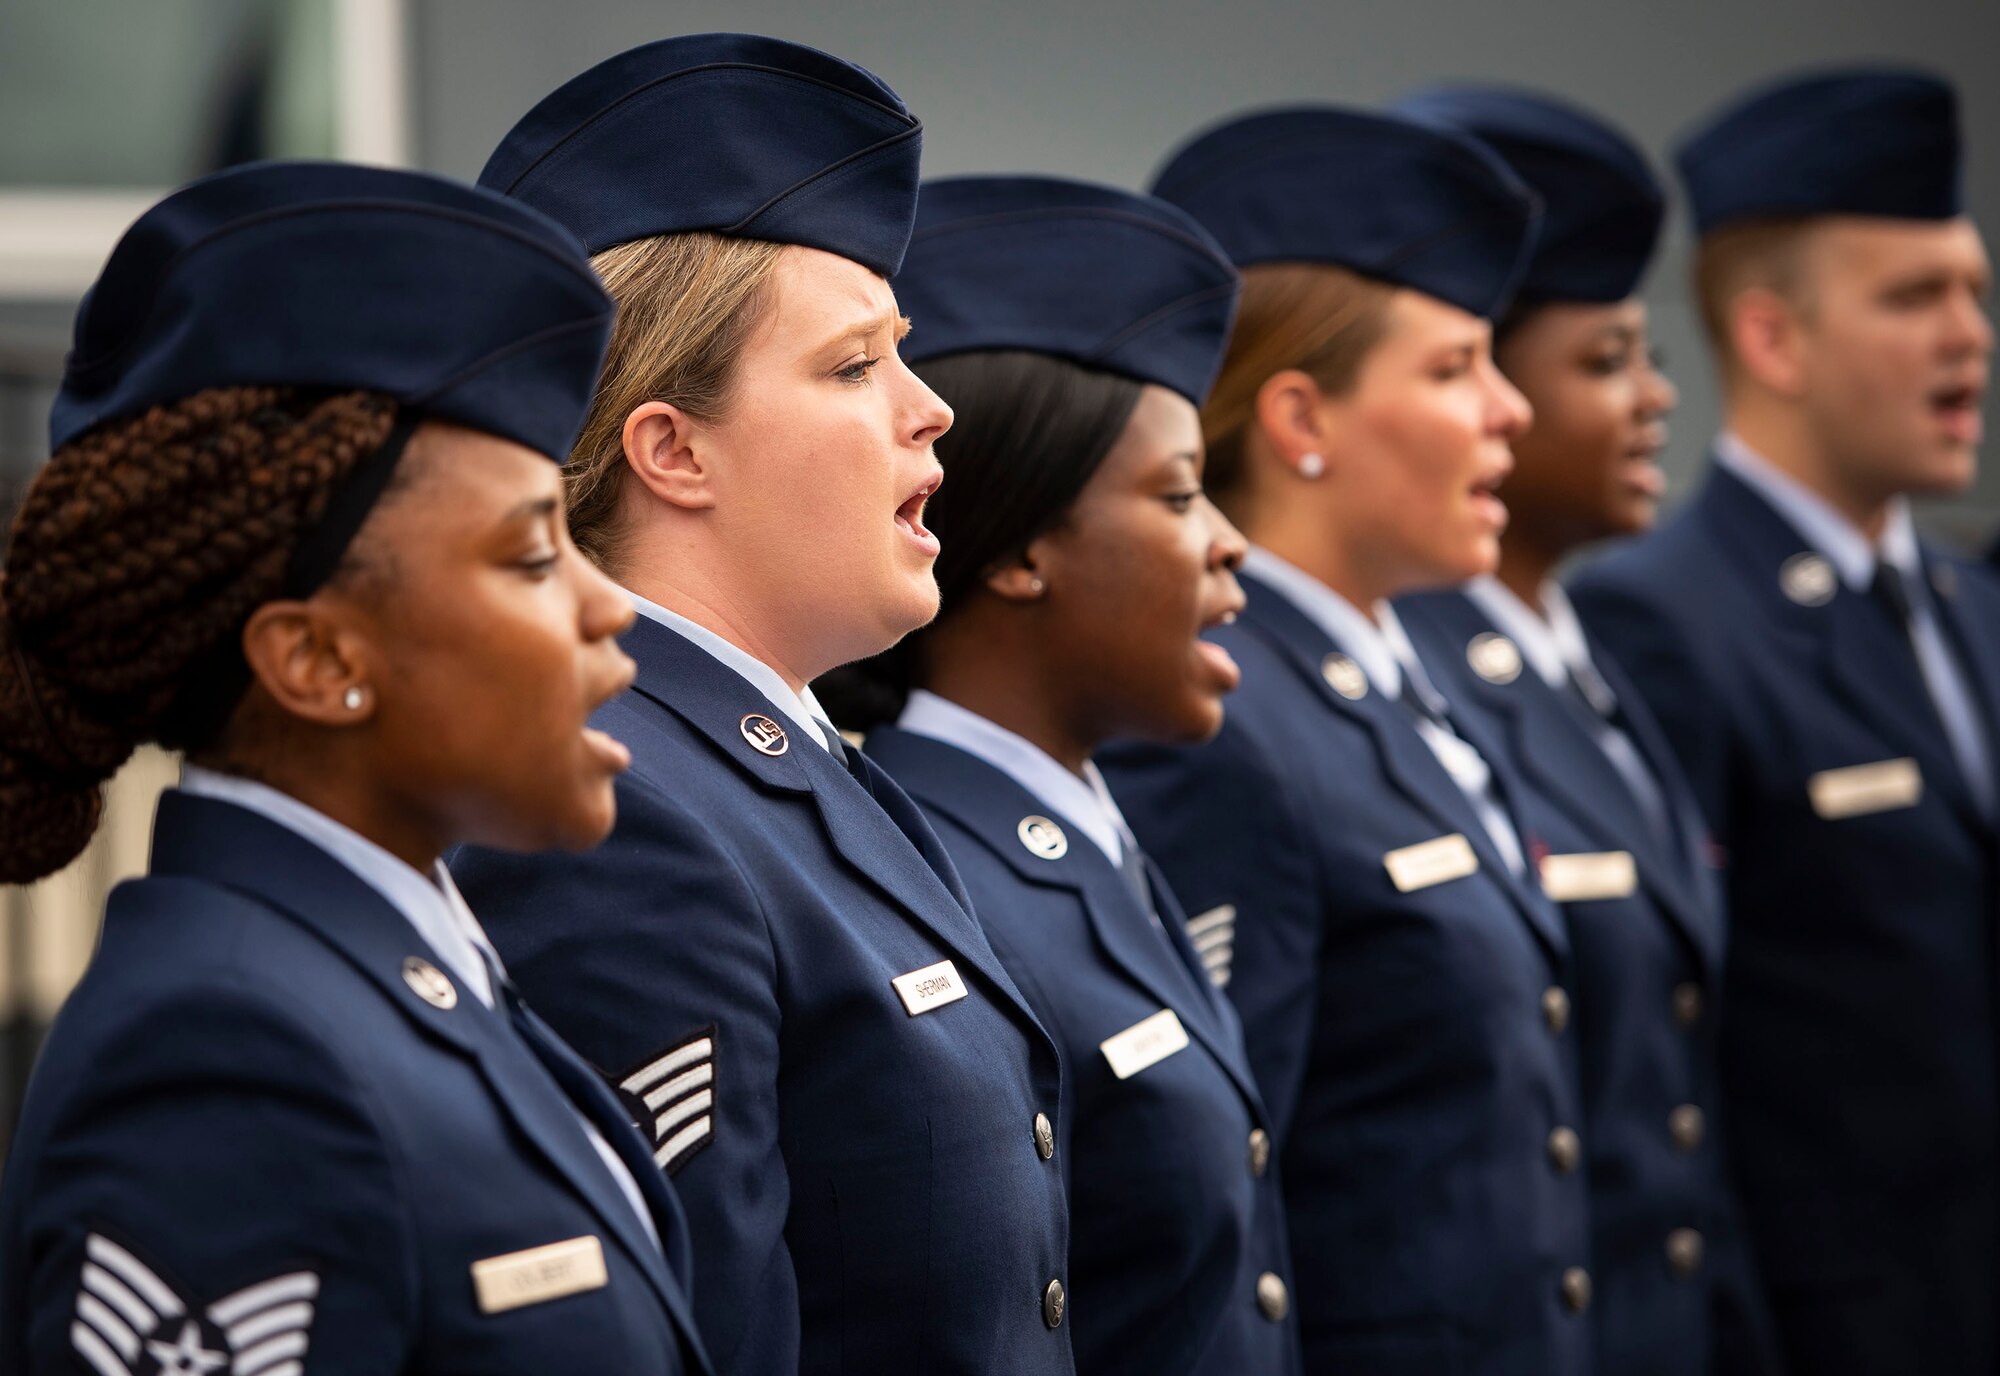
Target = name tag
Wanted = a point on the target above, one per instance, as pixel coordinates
(931, 987)
(1145, 1043)
(1588, 875)
(1860, 789)
(1431, 862)
(539, 1274)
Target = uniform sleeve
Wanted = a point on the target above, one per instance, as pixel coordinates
(1225, 826)
(215, 1196)
(1656, 653)
(650, 955)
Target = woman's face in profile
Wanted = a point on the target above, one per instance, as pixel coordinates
(493, 642)
(826, 464)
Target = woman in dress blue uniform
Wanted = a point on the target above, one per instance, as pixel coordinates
(1075, 330)
(1628, 855)
(301, 523)
(1347, 841)
(773, 958)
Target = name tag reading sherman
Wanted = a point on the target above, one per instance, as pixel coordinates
(931, 987)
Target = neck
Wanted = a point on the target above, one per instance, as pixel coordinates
(1333, 561)
(1526, 565)
(993, 665)
(329, 781)
(1780, 436)
(706, 602)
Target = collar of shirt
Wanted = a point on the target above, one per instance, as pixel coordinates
(1344, 623)
(1538, 638)
(429, 903)
(803, 708)
(1819, 525)
(1081, 800)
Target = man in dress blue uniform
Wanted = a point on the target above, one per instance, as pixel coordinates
(295, 1118)
(1832, 685)
(773, 957)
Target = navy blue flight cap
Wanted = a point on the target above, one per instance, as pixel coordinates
(733, 133)
(1864, 141)
(1388, 197)
(460, 304)
(1602, 207)
(1102, 277)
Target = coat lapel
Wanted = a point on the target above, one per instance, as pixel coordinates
(883, 838)
(1405, 757)
(990, 805)
(1860, 653)
(1553, 746)
(238, 849)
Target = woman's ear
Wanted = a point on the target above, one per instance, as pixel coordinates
(1019, 579)
(1292, 417)
(665, 448)
(311, 662)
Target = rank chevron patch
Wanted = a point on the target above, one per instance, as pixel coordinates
(1214, 936)
(129, 1322)
(673, 1099)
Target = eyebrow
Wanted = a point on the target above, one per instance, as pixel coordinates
(863, 329)
(533, 507)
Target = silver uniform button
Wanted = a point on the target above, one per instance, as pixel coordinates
(1565, 1150)
(1344, 676)
(1555, 1008)
(1576, 1289)
(1684, 1251)
(1688, 1125)
(1260, 1152)
(1273, 1300)
(1045, 1136)
(1808, 580)
(1052, 1304)
(429, 983)
(1042, 837)
(1689, 1004)
(1494, 658)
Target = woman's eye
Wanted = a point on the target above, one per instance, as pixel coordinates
(857, 371)
(540, 566)
(1608, 365)
(1183, 502)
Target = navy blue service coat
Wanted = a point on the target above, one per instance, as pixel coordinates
(1647, 930)
(1858, 1052)
(1177, 1228)
(1438, 1219)
(861, 1180)
(252, 1143)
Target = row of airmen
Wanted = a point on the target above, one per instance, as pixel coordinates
(1380, 1025)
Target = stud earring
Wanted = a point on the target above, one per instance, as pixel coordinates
(1311, 466)
(1036, 585)
(352, 699)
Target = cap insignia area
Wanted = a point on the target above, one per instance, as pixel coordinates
(1808, 580)
(1344, 676)
(1494, 658)
(429, 983)
(766, 737)
(1043, 838)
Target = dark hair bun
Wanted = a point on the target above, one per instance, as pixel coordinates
(50, 801)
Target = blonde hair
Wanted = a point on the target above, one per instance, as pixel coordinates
(1739, 258)
(687, 304)
(1317, 318)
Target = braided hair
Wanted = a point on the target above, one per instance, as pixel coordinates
(140, 551)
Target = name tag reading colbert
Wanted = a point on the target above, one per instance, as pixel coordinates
(539, 1274)
(1861, 789)
(1145, 1043)
(931, 987)
(1588, 875)
(1431, 862)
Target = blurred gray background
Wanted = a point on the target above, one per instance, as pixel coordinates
(106, 103)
